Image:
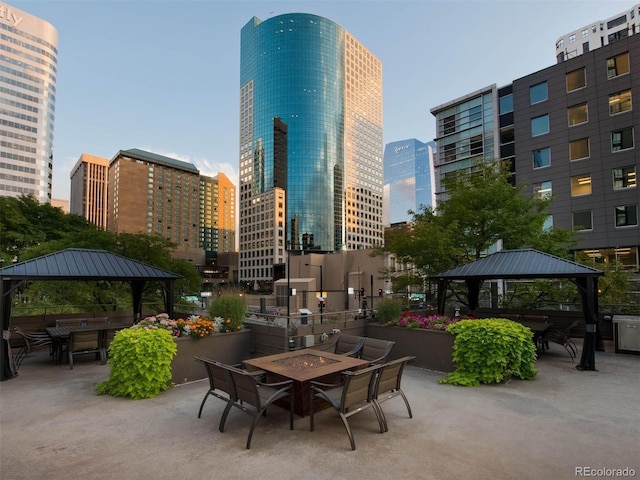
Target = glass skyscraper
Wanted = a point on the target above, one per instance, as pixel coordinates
(311, 125)
(408, 179)
(28, 71)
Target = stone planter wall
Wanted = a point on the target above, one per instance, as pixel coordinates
(433, 349)
(230, 348)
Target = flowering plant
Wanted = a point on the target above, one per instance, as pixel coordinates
(158, 322)
(227, 325)
(431, 322)
(196, 327)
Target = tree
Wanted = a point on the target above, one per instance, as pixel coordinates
(29, 229)
(480, 208)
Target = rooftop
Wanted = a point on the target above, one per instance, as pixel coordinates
(54, 426)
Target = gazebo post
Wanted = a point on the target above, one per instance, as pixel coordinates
(588, 292)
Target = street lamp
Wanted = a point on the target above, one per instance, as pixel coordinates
(321, 290)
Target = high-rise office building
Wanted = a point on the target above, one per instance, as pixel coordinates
(28, 65)
(310, 125)
(217, 214)
(409, 182)
(154, 194)
(598, 34)
(88, 195)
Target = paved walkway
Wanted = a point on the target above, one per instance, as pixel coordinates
(53, 426)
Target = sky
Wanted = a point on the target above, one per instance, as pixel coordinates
(164, 75)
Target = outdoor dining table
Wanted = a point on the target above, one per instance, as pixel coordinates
(303, 366)
(59, 335)
(538, 328)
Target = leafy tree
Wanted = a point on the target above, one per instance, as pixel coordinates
(481, 207)
(29, 229)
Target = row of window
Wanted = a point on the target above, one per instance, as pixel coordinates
(624, 216)
(579, 149)
(623, 178)
(577, 79)
(578, 114)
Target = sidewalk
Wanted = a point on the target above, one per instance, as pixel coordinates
(53, 426)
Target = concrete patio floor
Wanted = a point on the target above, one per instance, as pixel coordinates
(54, 426)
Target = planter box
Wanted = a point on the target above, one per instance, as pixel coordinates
(230, 348)
(433, 349)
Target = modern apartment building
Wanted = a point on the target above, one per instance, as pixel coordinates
(467, 130)
(88, 195)
(570, 131)
(310, 142)
(28, 72)
(598, 34)
(576, 138)
(154, 194)
(409, 181)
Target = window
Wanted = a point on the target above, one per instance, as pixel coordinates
(560, 43)
(581, 185)
(572, 38)
(618, 65)
(579, 149)
(506, 104)
(582, 220)
(538, 93)
(539, 125)
(548, 223)
(622, 139)
(576, 79)
(542, 190)
(624, 177)
(627, 216)
(585, 33)
(620, 102)
(578, 114)
(541, 158)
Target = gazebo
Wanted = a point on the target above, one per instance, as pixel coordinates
(530, 263)
(83, 265)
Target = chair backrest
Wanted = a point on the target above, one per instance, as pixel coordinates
(358, 387)
(69, 322)
(390, 375)
(349, 344)
(219, 376)
(96, 321)
(375, 350)
(246, 387)
(84, 341)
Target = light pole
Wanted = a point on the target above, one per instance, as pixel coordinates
(321, 290)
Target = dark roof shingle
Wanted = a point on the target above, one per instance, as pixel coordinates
(85, 264)
(523, 263)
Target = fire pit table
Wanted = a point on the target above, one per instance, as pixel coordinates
(303, 366)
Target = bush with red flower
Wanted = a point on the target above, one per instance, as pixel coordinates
(415, 320)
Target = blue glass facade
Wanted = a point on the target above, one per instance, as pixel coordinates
(294, 66)
(408, 178)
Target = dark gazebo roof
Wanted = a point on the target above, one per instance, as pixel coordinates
(80, 264)
(530, 263)
(84, 264)
(523, 263)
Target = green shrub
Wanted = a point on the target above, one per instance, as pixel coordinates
(491, 350)
(140, 362)
(231, 309)
(388, 309)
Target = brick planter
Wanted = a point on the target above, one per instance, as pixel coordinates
(433, 349)
(230, 348)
